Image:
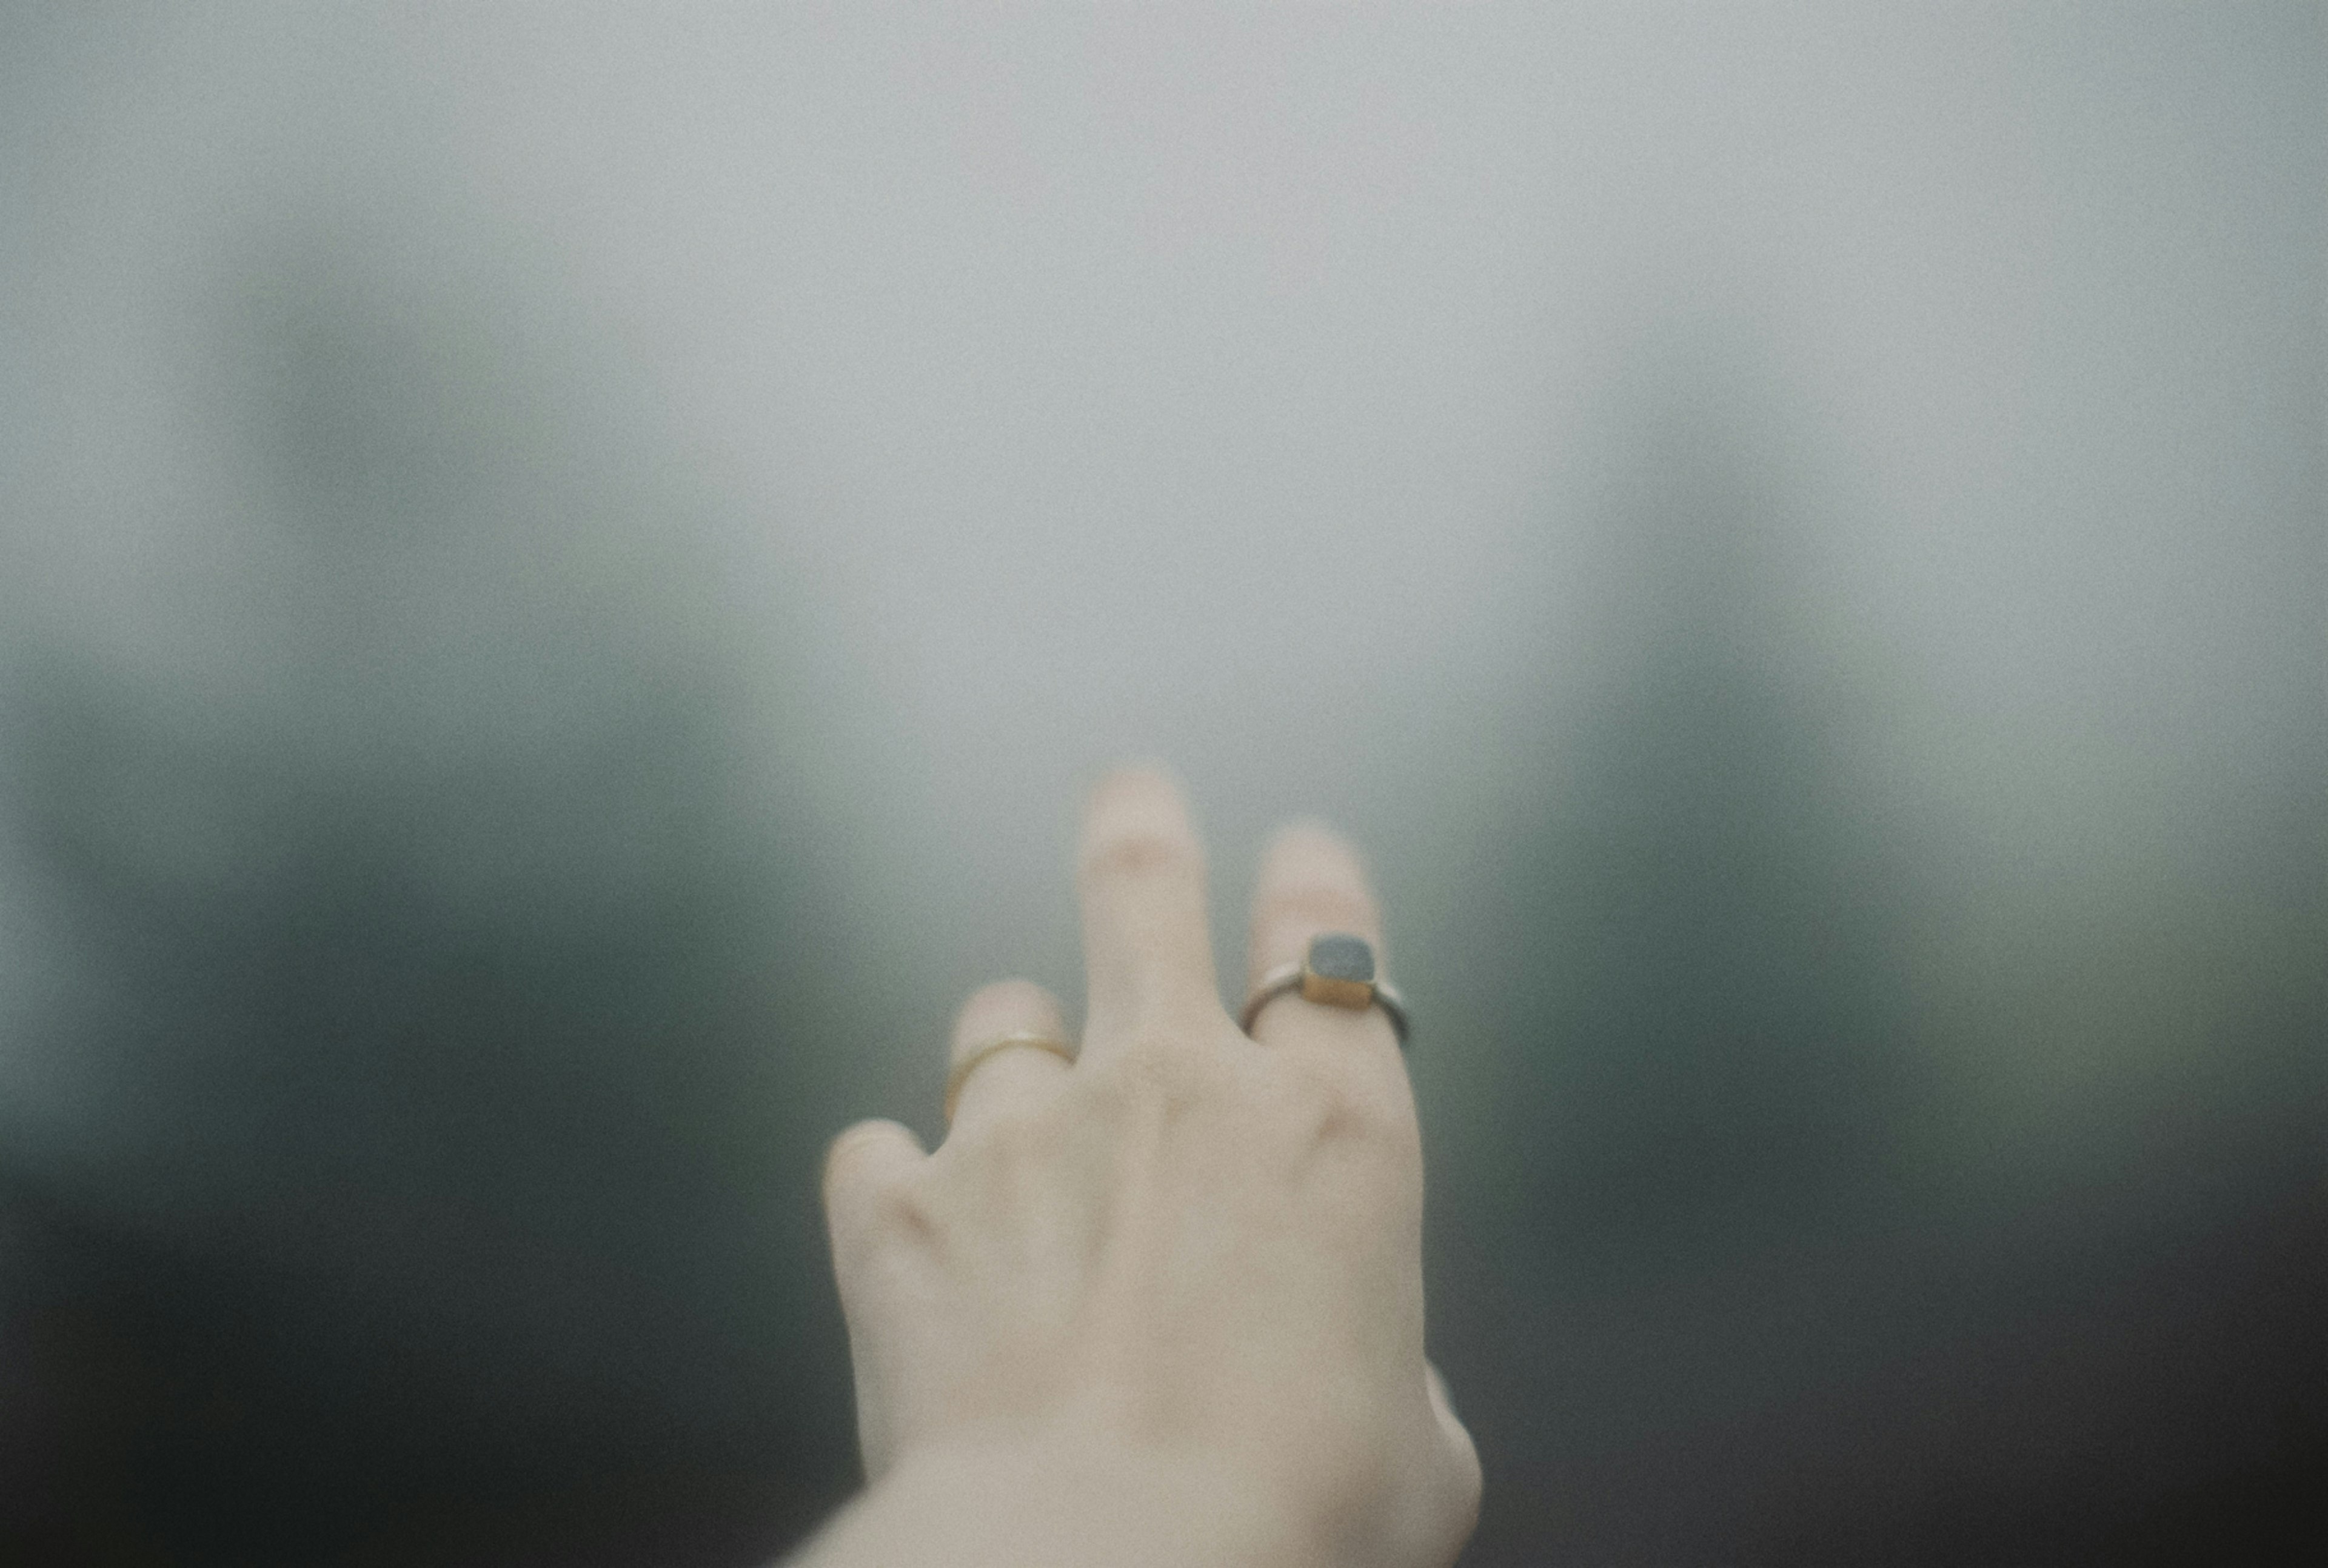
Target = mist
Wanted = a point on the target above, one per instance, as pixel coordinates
(562, 570)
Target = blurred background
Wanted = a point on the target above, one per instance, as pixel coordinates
(562, 569)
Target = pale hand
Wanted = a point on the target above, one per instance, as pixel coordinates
(1163, 1304)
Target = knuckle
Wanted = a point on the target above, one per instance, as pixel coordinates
(1335, 1106)
(1002, 1004)
(1320, 906)
(1158, 1070)
(893, 1205)
(1138, 852)
(875, 1210)
(1013, 1139)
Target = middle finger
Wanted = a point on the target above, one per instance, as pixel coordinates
(1312, 882)
(1147, 949)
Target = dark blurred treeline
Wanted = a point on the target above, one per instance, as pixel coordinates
(427, 974)
(1758, 1270)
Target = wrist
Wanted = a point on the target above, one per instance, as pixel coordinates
(1068, 1502)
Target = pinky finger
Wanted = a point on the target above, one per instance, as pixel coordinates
(866, 1171)
(862, 1165)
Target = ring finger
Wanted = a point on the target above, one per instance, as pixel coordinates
(1312, 882)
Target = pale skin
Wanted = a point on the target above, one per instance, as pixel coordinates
(1162, 1304)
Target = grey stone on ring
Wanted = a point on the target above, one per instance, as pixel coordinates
(1338, 971)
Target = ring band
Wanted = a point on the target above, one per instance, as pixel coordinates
(977, 1055)
(1338, 970)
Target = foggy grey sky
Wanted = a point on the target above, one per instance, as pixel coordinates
(1245, 389)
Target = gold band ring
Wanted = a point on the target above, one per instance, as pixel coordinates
(973, 1059)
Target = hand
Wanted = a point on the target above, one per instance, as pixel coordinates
(1165, 1302)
